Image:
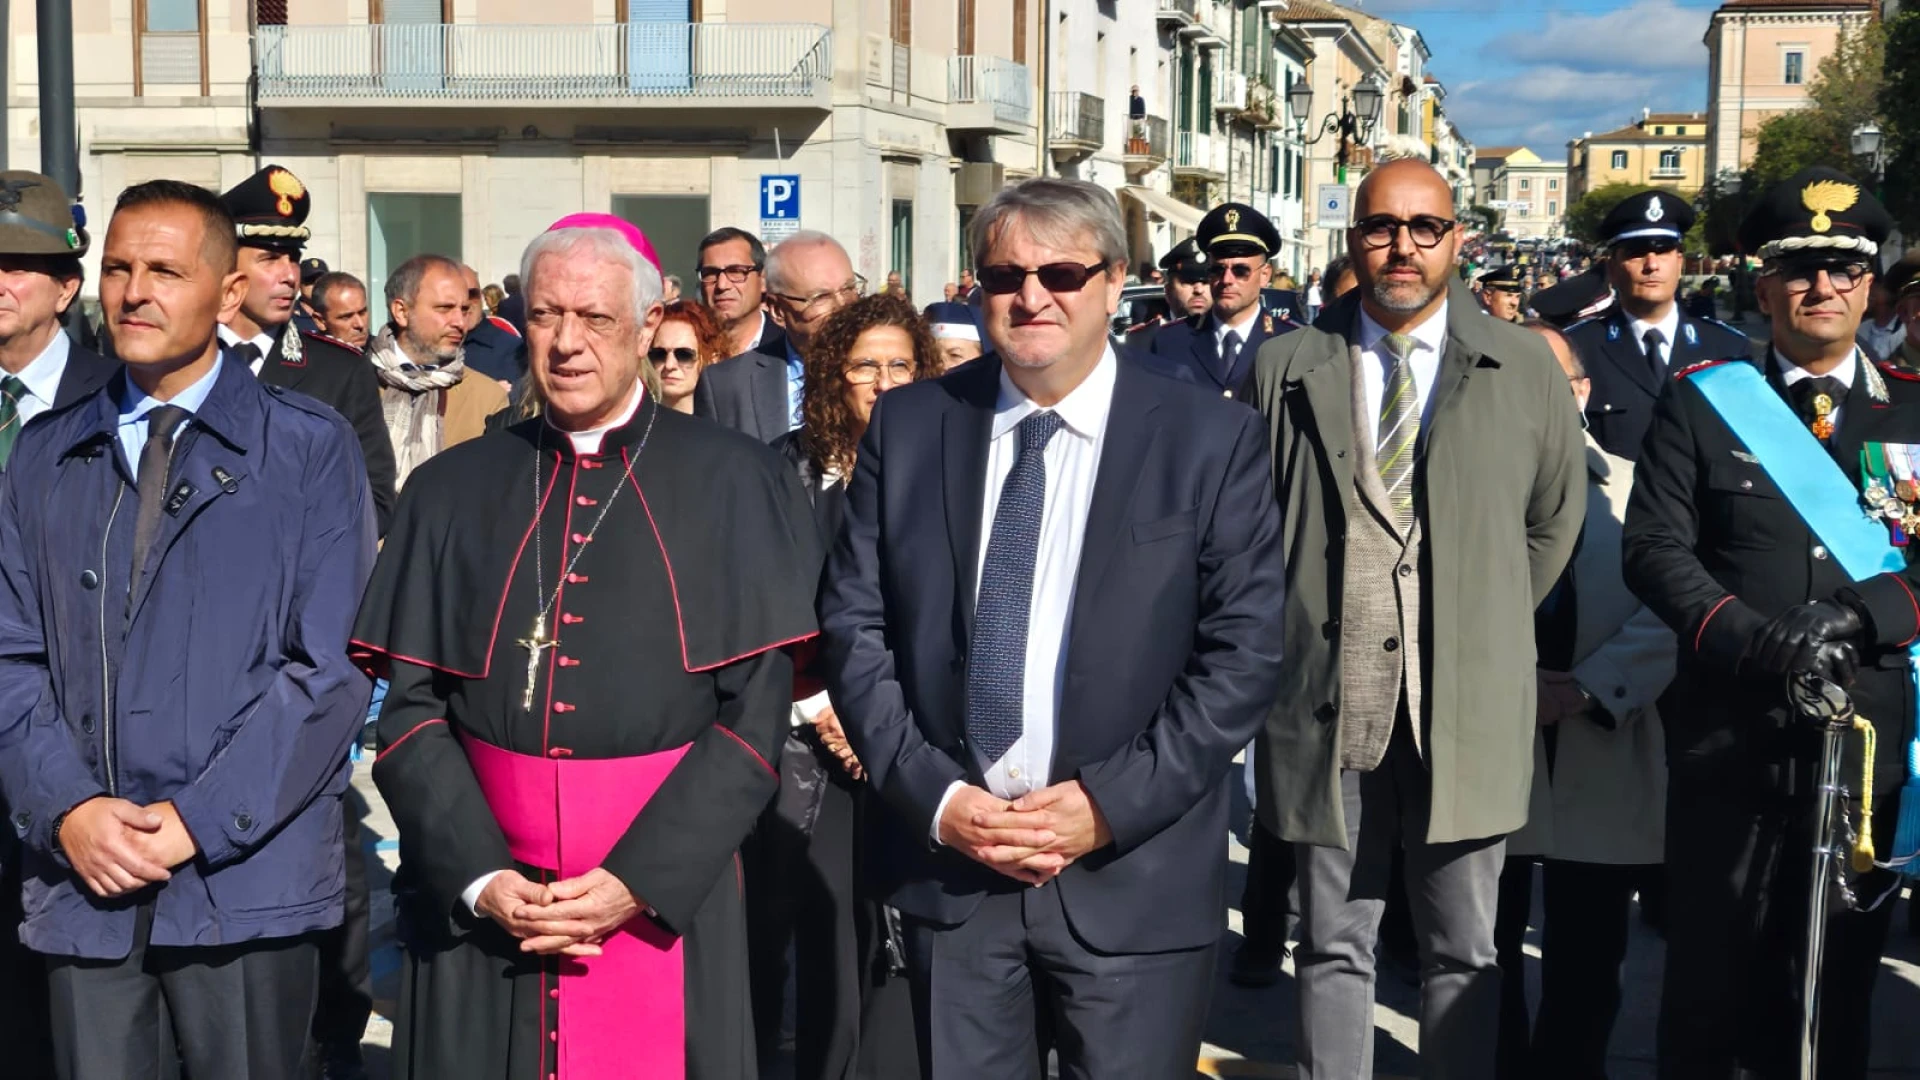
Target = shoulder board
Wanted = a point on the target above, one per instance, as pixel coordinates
(1591, 320)
(1702, 366)
(1896, 371)
(315, 335)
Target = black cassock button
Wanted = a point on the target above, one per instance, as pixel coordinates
(89, 579)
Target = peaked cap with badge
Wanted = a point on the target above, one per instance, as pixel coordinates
(269, 210)
(1504, 279)
(1186, 260)
(1232, 230)
(1649, 214)
(37, 217)
(1816, 211)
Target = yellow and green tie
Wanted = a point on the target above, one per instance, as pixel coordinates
(1399, 428)
(11, 391)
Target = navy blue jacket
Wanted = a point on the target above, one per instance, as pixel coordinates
(1625, 386)
(1172, 657)
(223, 685)
(1186, 351)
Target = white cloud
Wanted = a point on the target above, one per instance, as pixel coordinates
(1647, 35)
(1542, 107)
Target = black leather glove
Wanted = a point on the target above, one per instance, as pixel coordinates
(1836, 662)
(1791, 642)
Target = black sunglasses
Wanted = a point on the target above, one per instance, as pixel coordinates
(1218, 271)
(1378, 230)
(1054, 277)
(685, 357)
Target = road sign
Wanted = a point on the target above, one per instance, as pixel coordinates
(779, 198)
(1333, 207)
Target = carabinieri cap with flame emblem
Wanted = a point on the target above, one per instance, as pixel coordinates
(1816, 213)
(269, 210)
(1232, 230)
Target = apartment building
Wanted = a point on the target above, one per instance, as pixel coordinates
(1760, 56)
(1667, 149)
(1530, 193)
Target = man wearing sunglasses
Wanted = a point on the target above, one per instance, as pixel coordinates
(1746, 534)
(1217, 350)
(1646, 336)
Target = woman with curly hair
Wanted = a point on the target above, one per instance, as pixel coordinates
(687, 341)
(854, 1014)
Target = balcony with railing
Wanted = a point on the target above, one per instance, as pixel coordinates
(989, 94)
(411, 65)
(1175, 13)
(1193, 157)
(1077, 124)
(1669, 172)
(1146, 144)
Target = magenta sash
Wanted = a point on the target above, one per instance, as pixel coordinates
(622, 1013)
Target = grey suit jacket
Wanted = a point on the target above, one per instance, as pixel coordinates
(1502, 485)
(748, 393)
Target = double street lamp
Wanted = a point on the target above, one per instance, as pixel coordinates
(1866, 144)
(1359, 112)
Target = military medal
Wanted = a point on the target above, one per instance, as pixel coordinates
(1900, 461)
(1879, 492)
(1822, 417)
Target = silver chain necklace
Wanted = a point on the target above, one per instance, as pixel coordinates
(538, 641)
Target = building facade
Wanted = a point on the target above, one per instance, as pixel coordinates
(1666, 149)
(1761, 54)
(1531, 194)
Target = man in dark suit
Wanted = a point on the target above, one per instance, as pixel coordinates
(809, 277)
(41, 369)
(1633, 347)
(1216, 350)
(269, 209)
(1050, 622)
(1187, 295)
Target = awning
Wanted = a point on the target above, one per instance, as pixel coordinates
(1166, 207)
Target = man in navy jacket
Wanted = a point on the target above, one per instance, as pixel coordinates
(183, 553)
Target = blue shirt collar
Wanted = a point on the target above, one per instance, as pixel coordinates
(134, 403)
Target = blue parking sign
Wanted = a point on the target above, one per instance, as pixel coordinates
(779, 198)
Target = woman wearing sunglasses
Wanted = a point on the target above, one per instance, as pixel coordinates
(803, 861)
(688, 340)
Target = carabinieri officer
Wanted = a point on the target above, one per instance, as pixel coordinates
(1217, 349)
(1631, 349)
(1727, 541)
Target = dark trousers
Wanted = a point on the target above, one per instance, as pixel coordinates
(228, 1011)
(1509, 944)
(1588, 909)
(984, 989)
(1269, 903)
(346, 969)
(800, 892)
(1738, 875)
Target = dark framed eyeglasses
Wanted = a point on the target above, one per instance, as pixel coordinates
(736, 273)
(684, 357)
(1218, 271)
(1641, 247)
(1061, 277)
(1844, 274)
(1379, 230)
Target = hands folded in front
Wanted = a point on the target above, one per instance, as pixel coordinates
(118, 847)
(570, 917)
(1030, 839)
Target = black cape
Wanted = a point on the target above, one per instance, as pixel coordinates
(669, 629)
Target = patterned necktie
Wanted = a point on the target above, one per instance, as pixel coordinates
(155, 458)
(1399, 429)
(997, 664)
(1656, 359)
(11, 391)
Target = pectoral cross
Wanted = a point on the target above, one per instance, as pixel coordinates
(535, 643)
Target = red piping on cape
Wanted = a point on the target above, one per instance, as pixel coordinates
(1916, 610)
(731, 734)
(402, 739)
(673, 586)
(1697, 634)
(370, 650)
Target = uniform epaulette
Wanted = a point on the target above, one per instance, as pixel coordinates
(1571, 327)
(1702, 366)
(331, 340)
(1897, 371)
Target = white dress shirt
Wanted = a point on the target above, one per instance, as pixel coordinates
(1791, 373)
(42, 377)
(1242, 331)
(1073, 460)
(1430, 338)
(1669, 328)
(262, 341)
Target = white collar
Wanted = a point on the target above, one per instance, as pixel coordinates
(1791, 372)
(1430, 333)
(42, 376)
(1669, 327)
(1221, 328)
(588, 441)
(262, 341)
(1084, 409)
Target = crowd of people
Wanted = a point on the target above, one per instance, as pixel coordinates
(783, 677)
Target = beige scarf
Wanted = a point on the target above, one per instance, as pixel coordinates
(411, 399)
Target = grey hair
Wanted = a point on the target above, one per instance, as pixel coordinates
(1056, 212)
(608, 244)
(777, 269)
(404, 283)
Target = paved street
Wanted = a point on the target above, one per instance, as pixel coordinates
(1250, 1033)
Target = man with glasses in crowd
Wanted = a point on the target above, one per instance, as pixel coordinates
(1217, 350)
(1726, 541)
(732, 263)
(808, 278)
(1432, 466)
(1637, 344)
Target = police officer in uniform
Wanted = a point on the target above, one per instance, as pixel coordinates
(1501, 291)
(1217, 349)
(1714, 546)
(1185, 269)
(269, 210)
(1633, 347)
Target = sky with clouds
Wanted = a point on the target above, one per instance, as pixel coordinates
(1540, 72)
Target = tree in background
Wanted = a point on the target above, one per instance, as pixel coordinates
(1588, 211)
(1900, 121)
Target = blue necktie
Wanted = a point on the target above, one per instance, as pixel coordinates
(997, 665)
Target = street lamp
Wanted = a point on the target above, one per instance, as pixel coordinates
(1359, 112)
(1866, 144)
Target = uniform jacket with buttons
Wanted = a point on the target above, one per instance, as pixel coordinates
(1189, 350)
(1624, 383)
(1500, 493)
(223, 684)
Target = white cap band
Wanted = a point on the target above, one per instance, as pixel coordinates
(957, 330)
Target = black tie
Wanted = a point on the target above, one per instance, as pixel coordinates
(1806, 395)
(162, 422)
(1229, 356)
(247, 352)
(1653, 341)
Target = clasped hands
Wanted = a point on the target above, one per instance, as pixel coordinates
(1809, 637)
(1030, 839)
(118, 847)
(569, 917)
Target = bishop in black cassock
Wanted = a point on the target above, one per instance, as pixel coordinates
(672, 561)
